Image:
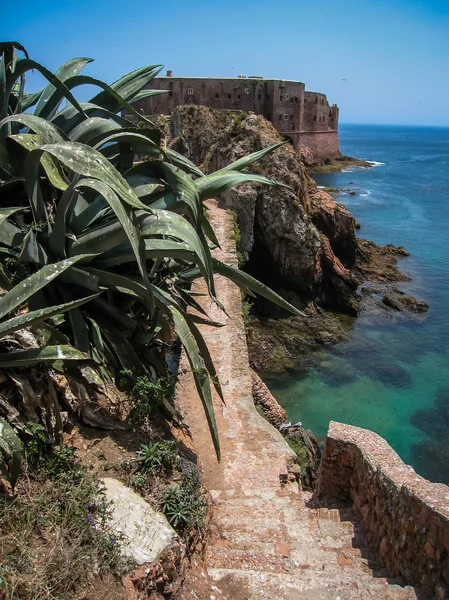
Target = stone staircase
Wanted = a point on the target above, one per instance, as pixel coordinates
(267, 541)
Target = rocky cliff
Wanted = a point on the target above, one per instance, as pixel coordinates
(299, 239)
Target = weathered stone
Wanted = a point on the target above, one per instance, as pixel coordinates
(147, 532)
(406, 517)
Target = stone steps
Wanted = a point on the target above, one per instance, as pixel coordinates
(266, 540)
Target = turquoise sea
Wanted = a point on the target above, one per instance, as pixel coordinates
(393, 375)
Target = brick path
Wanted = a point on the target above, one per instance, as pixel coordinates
(266, 543)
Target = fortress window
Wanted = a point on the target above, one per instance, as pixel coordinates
(285, 117)
(247, 91)
(260, 96)
(330, 113)
(322, 101)
(296, 100)
(281, 98)
(280, 117)
(291, 117)
(216, 95)
(190, 91)
(287, 96)
(314, 118)
(229, 96)
(238, 96)
(293, 126)
(316, 99)
(291, 99)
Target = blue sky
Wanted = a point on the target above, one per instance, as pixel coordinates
(383, 61)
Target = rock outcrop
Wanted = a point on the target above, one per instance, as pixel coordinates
(300, 237)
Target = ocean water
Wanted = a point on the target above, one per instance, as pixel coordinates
(393, 375)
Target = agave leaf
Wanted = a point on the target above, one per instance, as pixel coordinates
(92, 128)
(23, 358)
(36, 316)
(199, 371)
(154, 248)
(29, 100)
(22, 291)
(32, 142)
(32, 250)
(124, 214)
(208, 229)
(127, 86)
(183, 163)
(86, 161)
(246, 161)
(180, 184)
(11, 447)
(69, 69)
(137, 140)
(8, 46)
(10, 235)
(216, 183)
(68, 118)
(24, 65)
(123, 350)
(5, 213)
(245, 281)
(49, 133)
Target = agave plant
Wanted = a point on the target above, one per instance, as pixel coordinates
(110, 245)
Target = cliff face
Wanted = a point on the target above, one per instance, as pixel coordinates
(300, 239)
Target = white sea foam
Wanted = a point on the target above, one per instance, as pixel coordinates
(321, 187)
(366, 194)
(375, 163)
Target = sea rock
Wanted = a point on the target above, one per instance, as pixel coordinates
(264, 399)
(304, 443)
(147, 533)
(398, 301)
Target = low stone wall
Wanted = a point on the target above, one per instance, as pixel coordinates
(405, 516)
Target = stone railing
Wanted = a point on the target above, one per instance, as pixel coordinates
(406, 517)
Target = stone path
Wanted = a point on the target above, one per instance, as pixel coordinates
(266, 542)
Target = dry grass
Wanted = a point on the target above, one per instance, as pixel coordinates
(54, 538)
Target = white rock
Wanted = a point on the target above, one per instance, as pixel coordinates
(147, 532)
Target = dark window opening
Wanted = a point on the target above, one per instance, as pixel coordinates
(171, 94)
(314, 118)
(281, 98)
(322, 101)
(268, 97)
(316, 99)
(293, 126)
(280, 117)
(296, 100)
(330, 113)
(260, 96)
(229, 96)
(238, 96)
(216, 95)
(291, 117)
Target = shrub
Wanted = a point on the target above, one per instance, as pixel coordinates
(110, 246)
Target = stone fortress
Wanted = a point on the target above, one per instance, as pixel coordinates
(304, 117)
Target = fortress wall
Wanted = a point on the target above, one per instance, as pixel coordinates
(320, 145)
(406, 517)
(299, 115)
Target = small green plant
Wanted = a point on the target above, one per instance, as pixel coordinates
(238, 119)
(139, 481)
(157, 456)
(148, 397)
(36, 445)
(300, 451)
(10, 454)
(184, 506)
